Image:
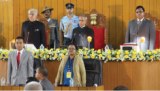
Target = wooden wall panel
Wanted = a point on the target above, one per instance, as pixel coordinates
(54, 3)
(117, 13)
(48, 3)
(6, 22)
(112, 23)
(125, 74)
(99, 6)
(153, 74)
(80, 7)
(2, 43)
(16, 18)
(10, 20)
(35, 4)
(41, 5)
(54, 70)
(60, 15)
(23, 13)
(140, 81)
(125, 17)
(3, 69)
(92, 4)
(119, 22)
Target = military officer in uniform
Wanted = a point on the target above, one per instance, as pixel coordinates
(53, 26)
(68, 23)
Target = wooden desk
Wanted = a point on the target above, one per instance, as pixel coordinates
(134, 75)
(17, 88)
(80, 88)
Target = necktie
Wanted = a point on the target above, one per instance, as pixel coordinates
(18, 58)
(139, 24)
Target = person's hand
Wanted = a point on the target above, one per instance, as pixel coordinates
(68, 27)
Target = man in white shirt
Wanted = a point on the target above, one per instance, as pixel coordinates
(20, 64)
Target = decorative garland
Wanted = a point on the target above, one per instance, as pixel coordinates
(108, 55)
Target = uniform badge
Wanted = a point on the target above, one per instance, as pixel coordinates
(52, 25)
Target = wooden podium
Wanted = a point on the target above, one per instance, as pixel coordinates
(134, 75)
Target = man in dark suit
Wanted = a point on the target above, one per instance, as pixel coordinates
(41, 75)
(53, 26)
(33, 31)
(82, 32)
(20, 64)
(141, 31)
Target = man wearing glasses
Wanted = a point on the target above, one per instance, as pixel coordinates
(141, 29)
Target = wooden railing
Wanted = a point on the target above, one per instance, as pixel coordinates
(17, 88)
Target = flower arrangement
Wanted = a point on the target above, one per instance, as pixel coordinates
(51, 54)
(4, 54)
(108, 55)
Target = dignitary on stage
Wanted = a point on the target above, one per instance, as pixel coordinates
(20, 64)
(33, 30)
(141, 31)
(71, 70)
(68, 23)
(82, 33)
(53, 28)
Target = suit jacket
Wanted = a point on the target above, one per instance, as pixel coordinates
(146, 29)
(18, 75)
(46, 84)
(78, 71)
(53, 25)
(79, 36)
(34, 33)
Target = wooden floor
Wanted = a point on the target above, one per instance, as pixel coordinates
(134, 75)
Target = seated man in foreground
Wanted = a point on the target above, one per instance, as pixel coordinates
(41, 75)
